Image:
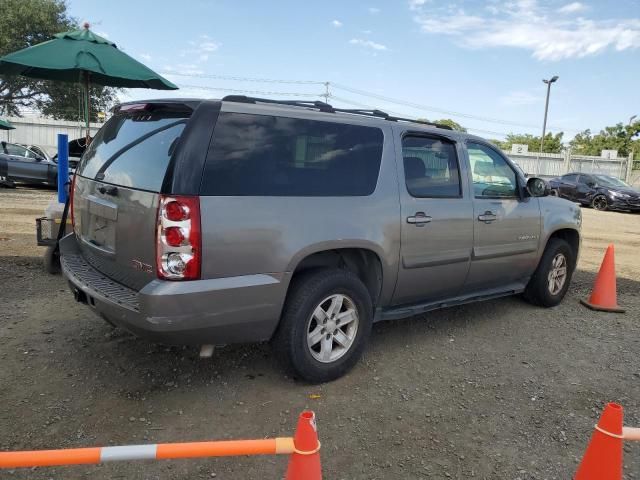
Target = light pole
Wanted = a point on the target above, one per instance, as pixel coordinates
(631, 119)
(546, 109)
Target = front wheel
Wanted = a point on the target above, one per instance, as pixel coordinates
(325, 325)
(550, 282)
(600, 202)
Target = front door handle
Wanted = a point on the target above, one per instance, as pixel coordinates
(419, 219)
(487, 217)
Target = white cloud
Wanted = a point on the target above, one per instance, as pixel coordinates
(336, 23)
(183, 68)
(519, 98)
(207, 45)
(374, 10)
(416, 4)
(368, 44)
(145, 56)
(103, 35)
(201, 49)
(573, 7)
(526, 25)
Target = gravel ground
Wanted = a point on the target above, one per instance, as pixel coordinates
(498, 389)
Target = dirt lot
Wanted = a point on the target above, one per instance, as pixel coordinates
(498, 389)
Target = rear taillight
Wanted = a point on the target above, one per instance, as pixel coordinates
(71, 191)
(178, 250)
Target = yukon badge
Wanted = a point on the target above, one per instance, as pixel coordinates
(528, 237)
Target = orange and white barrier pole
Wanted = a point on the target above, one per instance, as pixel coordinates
(165, 451)
(160, 451)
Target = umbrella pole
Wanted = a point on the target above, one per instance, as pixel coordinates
(87, 108)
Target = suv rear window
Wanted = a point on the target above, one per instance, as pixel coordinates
(263, 155)
(133, 149)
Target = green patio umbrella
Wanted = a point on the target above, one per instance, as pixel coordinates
(82, 56)
(6, 125)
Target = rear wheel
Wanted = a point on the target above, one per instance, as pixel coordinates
(325, 325)
(600, 202)
(550, 282)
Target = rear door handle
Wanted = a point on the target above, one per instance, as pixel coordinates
(487, 217)
(419, 219)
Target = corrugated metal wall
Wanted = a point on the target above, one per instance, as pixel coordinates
(43, 131)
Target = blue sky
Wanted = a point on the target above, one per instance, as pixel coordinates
(482, 60)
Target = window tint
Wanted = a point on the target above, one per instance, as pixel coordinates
(492, 175)
(430, 167)
(570, 178)
(584, 179)
(260, 155)
(133, 150)
(12, 149)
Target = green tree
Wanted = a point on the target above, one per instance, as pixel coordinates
(446, 121)
(552, 143)
(24, 23)
(620, 137)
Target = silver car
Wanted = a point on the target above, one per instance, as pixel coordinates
(244, 220)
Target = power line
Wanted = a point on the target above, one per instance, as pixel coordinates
(246, 79)
(358, 104)
(435, 109)
(252, 92)
(364, 93)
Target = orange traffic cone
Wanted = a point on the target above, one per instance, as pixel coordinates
(304, 463)
(604, 296)
(603, 458)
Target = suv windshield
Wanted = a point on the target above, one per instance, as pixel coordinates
(133, 149)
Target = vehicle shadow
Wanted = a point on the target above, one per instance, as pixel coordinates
(112, 354)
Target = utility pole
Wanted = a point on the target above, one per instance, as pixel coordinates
(546, 108)
(326, 92)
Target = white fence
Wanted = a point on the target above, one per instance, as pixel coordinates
(43, 131)
(556, 164)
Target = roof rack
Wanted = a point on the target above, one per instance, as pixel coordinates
(325, 107)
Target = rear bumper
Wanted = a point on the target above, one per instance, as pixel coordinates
(215, 311)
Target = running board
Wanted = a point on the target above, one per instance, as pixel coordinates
(405, 311)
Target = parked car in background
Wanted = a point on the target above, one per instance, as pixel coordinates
(37, 150)
(601, 192)
(20, 164)
(208, 222)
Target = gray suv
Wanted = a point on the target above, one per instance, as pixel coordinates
(207, 222)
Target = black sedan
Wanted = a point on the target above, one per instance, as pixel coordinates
(29, 164)
(602, 192)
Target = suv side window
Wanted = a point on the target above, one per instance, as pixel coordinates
(264, 155)
(492, 175)
(430, 167)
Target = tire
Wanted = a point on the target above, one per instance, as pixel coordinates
(310, 293)
(600, 202)
(539, 290)
(51, 261)
(6, 183)
(554, 193)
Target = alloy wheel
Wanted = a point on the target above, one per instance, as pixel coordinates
(558, 274)
(332, 328)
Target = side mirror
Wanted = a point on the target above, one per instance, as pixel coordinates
(591, 184)
(537, 187)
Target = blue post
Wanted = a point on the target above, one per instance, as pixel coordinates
(63, 166)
